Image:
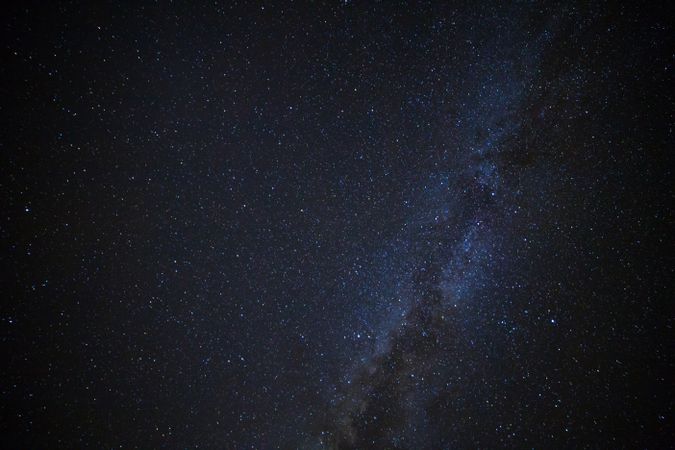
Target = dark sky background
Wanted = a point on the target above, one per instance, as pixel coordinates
(336, 225)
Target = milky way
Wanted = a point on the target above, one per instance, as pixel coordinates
(338, 225)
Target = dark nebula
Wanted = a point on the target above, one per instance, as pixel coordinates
(340, 225)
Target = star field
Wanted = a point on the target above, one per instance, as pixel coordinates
(336, 225)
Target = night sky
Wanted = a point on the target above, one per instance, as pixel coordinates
(337, 225)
